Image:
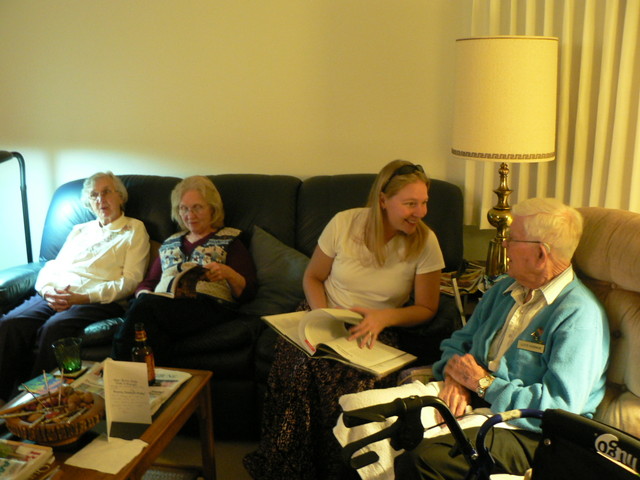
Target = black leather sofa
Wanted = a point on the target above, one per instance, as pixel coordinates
(281, 218)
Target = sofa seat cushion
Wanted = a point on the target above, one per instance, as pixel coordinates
(231, 364)
(227, 349)
(223, 337)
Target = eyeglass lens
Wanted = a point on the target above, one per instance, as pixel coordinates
(103, 193)
(194, 209)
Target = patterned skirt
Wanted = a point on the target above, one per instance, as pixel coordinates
(301, 408)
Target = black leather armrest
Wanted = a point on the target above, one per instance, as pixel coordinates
(101, 332)
(17, 283)
(423, 340)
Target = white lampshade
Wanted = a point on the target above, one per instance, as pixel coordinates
(505, 99)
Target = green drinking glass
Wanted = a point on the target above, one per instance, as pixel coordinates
(67, 352)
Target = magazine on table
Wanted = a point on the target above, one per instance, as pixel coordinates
(167, 382)
(21, 461)
(324, 333)
(42, 384)
(471, 280)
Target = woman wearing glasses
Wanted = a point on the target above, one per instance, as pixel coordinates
(369, 260)
(97, 268)
(228, 276)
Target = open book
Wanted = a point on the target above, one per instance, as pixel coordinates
(323, 333)
(191, 280)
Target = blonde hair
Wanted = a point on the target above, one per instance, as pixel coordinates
(550, 221)
(209, 192)
(389, 182)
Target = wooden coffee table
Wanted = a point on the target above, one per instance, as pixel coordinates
(192, 397)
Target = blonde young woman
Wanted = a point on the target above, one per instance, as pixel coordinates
(369, 260)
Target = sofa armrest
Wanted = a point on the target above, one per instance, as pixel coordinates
(101, 332)
(423, 340)
(17, 283)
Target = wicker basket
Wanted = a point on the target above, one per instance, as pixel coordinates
(54, 434)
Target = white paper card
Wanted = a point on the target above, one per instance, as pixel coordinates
(126, 391)
(106, 455)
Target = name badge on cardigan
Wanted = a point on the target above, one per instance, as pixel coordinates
(531, 346)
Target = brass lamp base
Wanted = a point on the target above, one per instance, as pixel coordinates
(499, 217)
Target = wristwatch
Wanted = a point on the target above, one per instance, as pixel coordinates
(483, 384)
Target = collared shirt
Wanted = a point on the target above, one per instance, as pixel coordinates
(105, 262)
(523, 312)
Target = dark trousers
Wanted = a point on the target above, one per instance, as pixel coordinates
(165, 320)
(27, 332)
(512, 451)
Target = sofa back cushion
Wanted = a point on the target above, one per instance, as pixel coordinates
(608, 261)
(267, 201)
(280, 269)
(321, 197)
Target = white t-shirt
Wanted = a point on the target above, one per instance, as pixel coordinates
(105, 262)
(354, 283)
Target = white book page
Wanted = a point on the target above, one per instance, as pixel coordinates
(287, 324)
(367, 357)
(126, 389)
(322, 330)
(325, 325)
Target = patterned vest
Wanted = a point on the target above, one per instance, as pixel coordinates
(215, 249)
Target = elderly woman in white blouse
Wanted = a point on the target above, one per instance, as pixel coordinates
(97, 268)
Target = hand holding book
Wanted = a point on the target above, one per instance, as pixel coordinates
(367, 330)
(322, 333)
(194, 279)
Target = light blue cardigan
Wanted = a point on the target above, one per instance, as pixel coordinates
(569, 373)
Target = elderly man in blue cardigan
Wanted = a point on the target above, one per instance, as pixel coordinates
(538, 339)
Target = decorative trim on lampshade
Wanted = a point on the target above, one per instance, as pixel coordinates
(505, 99)
(501, 157)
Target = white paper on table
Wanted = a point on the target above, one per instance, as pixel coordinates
(107, 455)
(126, 391)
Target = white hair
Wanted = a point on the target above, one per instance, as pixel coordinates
(550, 221)
(89, 183)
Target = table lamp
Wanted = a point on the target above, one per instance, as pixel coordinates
(505, 111)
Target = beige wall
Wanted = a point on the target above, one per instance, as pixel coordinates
(299, 87)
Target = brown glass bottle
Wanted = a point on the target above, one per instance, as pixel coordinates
(141, 352)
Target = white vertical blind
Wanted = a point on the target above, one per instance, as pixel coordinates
(598, 125)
